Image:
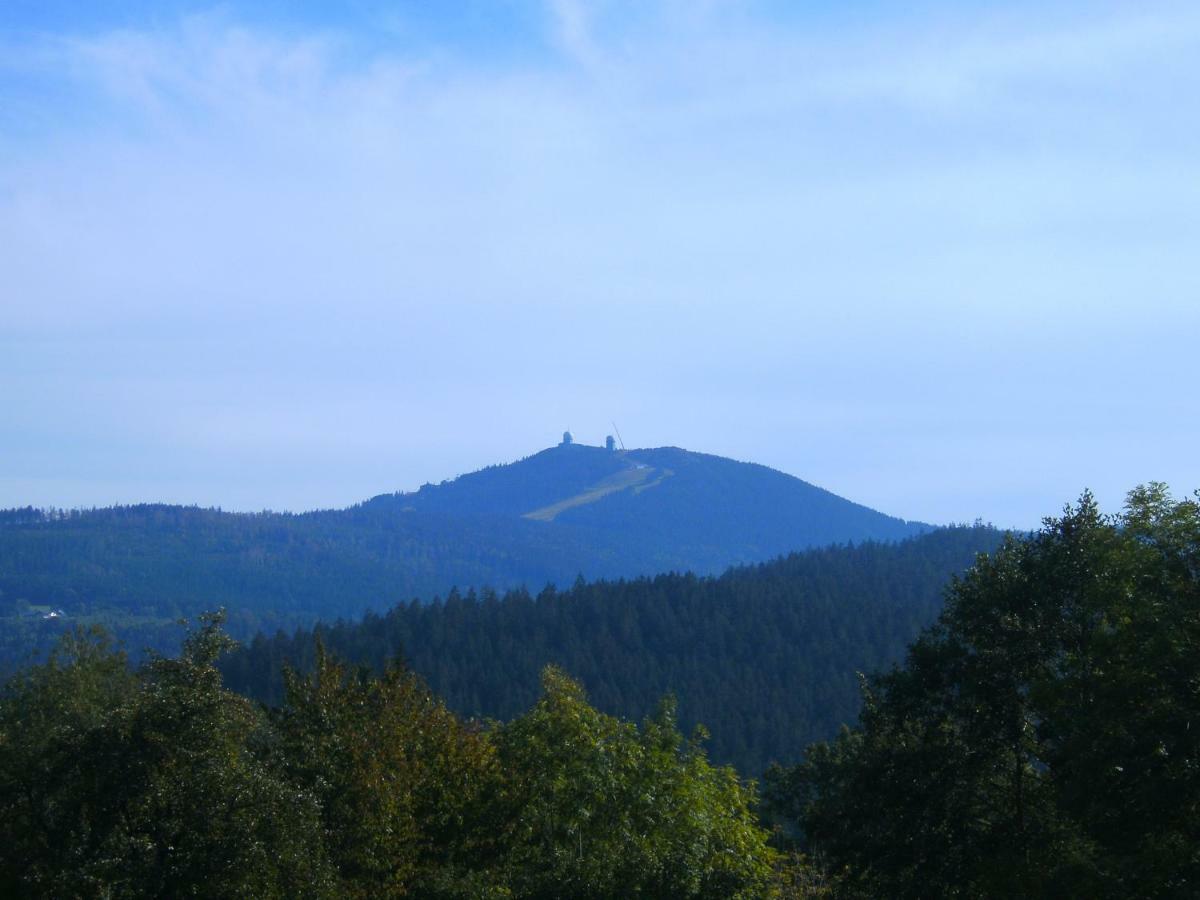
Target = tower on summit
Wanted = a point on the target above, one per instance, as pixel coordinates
(567, 439)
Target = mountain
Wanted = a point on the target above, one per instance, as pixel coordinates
(660, 509)
(567, 511)
(765, 656)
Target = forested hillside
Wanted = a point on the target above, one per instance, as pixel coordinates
(1038, 741)
(567, 511)
(766, 656)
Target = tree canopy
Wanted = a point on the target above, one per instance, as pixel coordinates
(160, 782)
(764, 656)
(1043, 738)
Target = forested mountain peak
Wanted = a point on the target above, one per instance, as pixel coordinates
(562, 512)
(656, 490)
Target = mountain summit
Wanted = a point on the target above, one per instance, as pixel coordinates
(674, 508)
(566, 511)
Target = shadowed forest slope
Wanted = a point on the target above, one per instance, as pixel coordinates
(766, 656)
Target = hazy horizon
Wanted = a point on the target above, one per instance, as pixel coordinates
(939, 261)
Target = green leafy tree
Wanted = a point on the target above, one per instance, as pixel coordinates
(399, 779)
(148, 786)
(596, 808)
(1039, 740)
(49, 717)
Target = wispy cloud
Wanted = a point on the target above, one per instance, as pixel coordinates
(572, 32)
(891, 222)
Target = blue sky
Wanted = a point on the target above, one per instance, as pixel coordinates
(939, 259)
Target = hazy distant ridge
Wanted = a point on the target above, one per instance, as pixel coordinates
(611, 514)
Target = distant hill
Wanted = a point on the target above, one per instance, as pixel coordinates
(567, 511)
(765, 656)
(658, 509)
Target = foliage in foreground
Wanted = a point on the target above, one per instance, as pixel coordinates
(161, 782)
(1043, 739)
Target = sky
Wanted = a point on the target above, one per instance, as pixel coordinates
(940, 258)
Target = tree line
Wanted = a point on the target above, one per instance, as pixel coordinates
(765, 656)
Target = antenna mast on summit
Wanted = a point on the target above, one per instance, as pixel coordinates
(619, 441)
